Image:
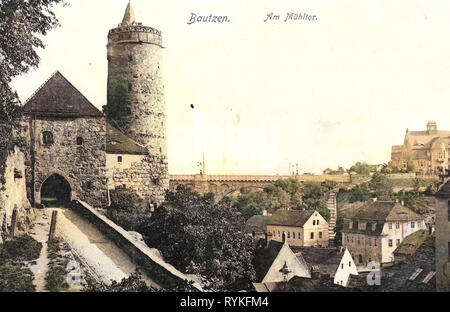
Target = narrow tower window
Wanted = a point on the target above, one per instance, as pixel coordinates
(47, 138)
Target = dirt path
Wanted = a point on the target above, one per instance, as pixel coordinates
(40, 233)
(102, 257)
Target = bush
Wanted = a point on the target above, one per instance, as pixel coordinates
(205, 238)
(21, 248)
(16, 278)
(56, 276)
(128, 210)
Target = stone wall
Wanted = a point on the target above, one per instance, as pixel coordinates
(442, 244)
(83, 166)
(157, 269)
(13, 195)
(138, 173)
(222, 185)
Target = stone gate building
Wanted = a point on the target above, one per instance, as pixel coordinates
(76, 152)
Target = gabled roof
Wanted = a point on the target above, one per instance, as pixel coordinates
(372, 211)
(327, 259)
(285, 257)
(57, 97)
(377, 213)
(290, 217)
(119, 143)
(401, 213)
(411, 243)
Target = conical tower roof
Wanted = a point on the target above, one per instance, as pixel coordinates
(128, 17)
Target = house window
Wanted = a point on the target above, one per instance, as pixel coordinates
(342, 265)
(390, 243)
(314, 222)
(320, 234)
(360, 259)
(413, 224)
(350, 224)
(293, 235)
(374, 241)
(390, 225)
(298, 235)
(397, 225)
(312, 235)
(119, 159)
(79, 141)
(398, 242)
(47, 138)
(359, 241)
(317, 222)
(370, 241)
(289, 234)
(349, 264)
(279, 234)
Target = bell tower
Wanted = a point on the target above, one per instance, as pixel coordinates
(135, 96)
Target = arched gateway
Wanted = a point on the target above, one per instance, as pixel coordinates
(55, 191)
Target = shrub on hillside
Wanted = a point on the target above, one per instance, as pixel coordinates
(128, 210)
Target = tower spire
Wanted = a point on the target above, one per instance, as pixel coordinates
(128, 18)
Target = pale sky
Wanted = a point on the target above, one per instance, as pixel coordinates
(322, 94)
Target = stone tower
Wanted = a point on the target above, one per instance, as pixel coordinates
(136, 103)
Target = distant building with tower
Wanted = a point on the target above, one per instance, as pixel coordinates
(427, 151)
(78, 152)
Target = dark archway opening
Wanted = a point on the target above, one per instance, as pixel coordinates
(55, 191)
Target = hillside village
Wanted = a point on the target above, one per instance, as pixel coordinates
(87, 203)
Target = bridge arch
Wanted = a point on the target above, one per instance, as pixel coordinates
(55, 190)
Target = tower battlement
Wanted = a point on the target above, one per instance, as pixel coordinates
(134, 34)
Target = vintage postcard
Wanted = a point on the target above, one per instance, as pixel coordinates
(224, 146)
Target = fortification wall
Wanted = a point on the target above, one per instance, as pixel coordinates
(158, 270)
(138, 173)
(13, 195)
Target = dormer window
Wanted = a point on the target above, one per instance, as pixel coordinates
(47, 138)
(350, 224)
(374, 226)
(362, 225)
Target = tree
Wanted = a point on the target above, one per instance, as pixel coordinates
(314, 198)
(361, 168)
(252, 203)
(21, 23)
(360, 192)
(338, 230)
(381, 186)
(202, 237)
(128, 210)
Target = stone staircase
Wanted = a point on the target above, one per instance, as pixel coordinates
(332, 206)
